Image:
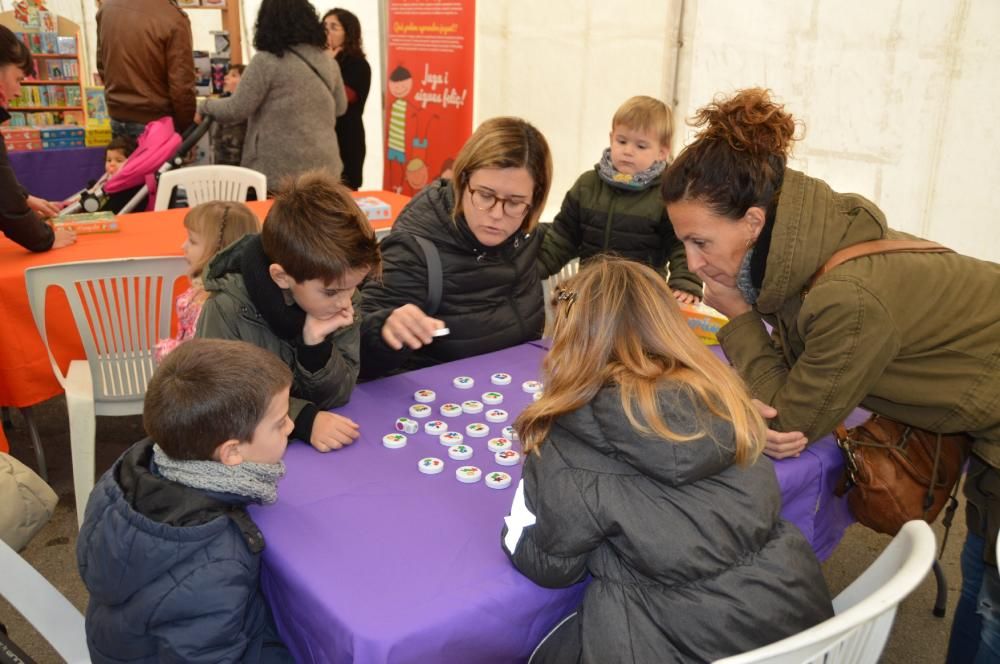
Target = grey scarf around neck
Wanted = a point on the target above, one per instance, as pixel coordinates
(744, 281)
(637, 182)
(256, 481)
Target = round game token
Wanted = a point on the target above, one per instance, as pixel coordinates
(430, 465)
(406, 425)
(463, 383)
(507, 458)
(460, 452)
(450, 438)
(536, 396)
(424, 396)
(435, 427)
(498, 480)
(496, 415)
(394, 440)
(499, 444)
(420, 410)
(477, 430)
(451, 409)
(468, 474)
(509, 432)
(500, 379)
(531, 386)
(472, 407)
(492, 398)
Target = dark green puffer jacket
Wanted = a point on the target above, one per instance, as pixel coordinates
(915, 337)
(597, 218)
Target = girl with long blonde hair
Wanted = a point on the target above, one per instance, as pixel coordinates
(643, 470)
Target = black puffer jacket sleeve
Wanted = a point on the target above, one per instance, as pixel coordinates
(552, 551)
(561, 242)
(17, 221)
(404, 281)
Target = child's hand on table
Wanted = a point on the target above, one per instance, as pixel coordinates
(331, 432)
(410, 326)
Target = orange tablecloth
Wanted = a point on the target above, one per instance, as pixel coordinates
(26, 376)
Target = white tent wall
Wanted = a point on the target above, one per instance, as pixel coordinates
(895, 95)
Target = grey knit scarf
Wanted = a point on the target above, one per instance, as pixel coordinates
(637, 182)
(744, 282)
(256, 481)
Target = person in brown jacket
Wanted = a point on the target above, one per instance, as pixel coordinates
(144, 56)
(913, 337)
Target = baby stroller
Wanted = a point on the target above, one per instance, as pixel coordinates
(160, 149)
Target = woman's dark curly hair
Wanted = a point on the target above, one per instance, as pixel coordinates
(352, 31)
(282, 24)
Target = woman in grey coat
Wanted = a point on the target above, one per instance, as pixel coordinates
(644, 472)
(289, 94)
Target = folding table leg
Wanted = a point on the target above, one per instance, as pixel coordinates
(36, 441)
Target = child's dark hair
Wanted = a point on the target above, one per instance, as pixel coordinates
(208, 391)
(14, 52)
(315, 230)
(124, 144)
(737, 160)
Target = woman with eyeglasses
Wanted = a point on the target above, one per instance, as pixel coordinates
(462, 256)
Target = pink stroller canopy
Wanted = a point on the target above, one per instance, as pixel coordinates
(157, 144)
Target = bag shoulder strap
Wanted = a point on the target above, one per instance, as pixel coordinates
(876, 247)
(435, 275)
(315, 71)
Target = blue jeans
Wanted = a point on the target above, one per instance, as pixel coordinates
(975, 633)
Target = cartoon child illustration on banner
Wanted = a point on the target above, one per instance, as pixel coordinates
(400, 85)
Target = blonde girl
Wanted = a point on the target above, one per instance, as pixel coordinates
(210, 227)
(644, 470)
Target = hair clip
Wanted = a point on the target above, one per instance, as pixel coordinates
(567, 296)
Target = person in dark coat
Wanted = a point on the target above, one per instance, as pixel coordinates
(343, 39)
(168, 552)
(644, 471)
(481, 226)
(19, 211)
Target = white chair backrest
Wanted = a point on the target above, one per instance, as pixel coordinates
(43, 606)
(121, 307)
(864, 610)
(210, 183)
(568, 270)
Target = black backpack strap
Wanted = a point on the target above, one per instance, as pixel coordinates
(434, 275)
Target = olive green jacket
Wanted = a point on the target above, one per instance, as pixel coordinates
(915, 337)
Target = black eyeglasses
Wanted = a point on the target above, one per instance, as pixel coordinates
(484, 201)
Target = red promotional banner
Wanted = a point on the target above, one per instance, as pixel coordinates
(428, 113)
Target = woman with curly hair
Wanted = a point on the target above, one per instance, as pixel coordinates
(289, 94)
(343, 39)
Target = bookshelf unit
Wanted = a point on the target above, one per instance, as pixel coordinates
(53, 96)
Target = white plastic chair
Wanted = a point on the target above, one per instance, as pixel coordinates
(43, 606)
(568, 270)
(210, 183)
(864, 610)
(121, 307)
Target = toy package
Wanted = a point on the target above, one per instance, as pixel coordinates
(86, 223)
(704, 321)
(374, 208)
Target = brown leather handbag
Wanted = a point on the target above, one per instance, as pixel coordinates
(894, 472)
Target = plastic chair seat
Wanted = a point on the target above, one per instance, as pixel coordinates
(121, 308)
(204, 184)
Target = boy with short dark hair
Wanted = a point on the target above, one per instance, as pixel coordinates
(118, 150)
(291, 290)
(616, 207)
(168, 552)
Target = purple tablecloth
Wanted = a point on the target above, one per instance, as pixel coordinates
(56, 174)
(368, 560)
